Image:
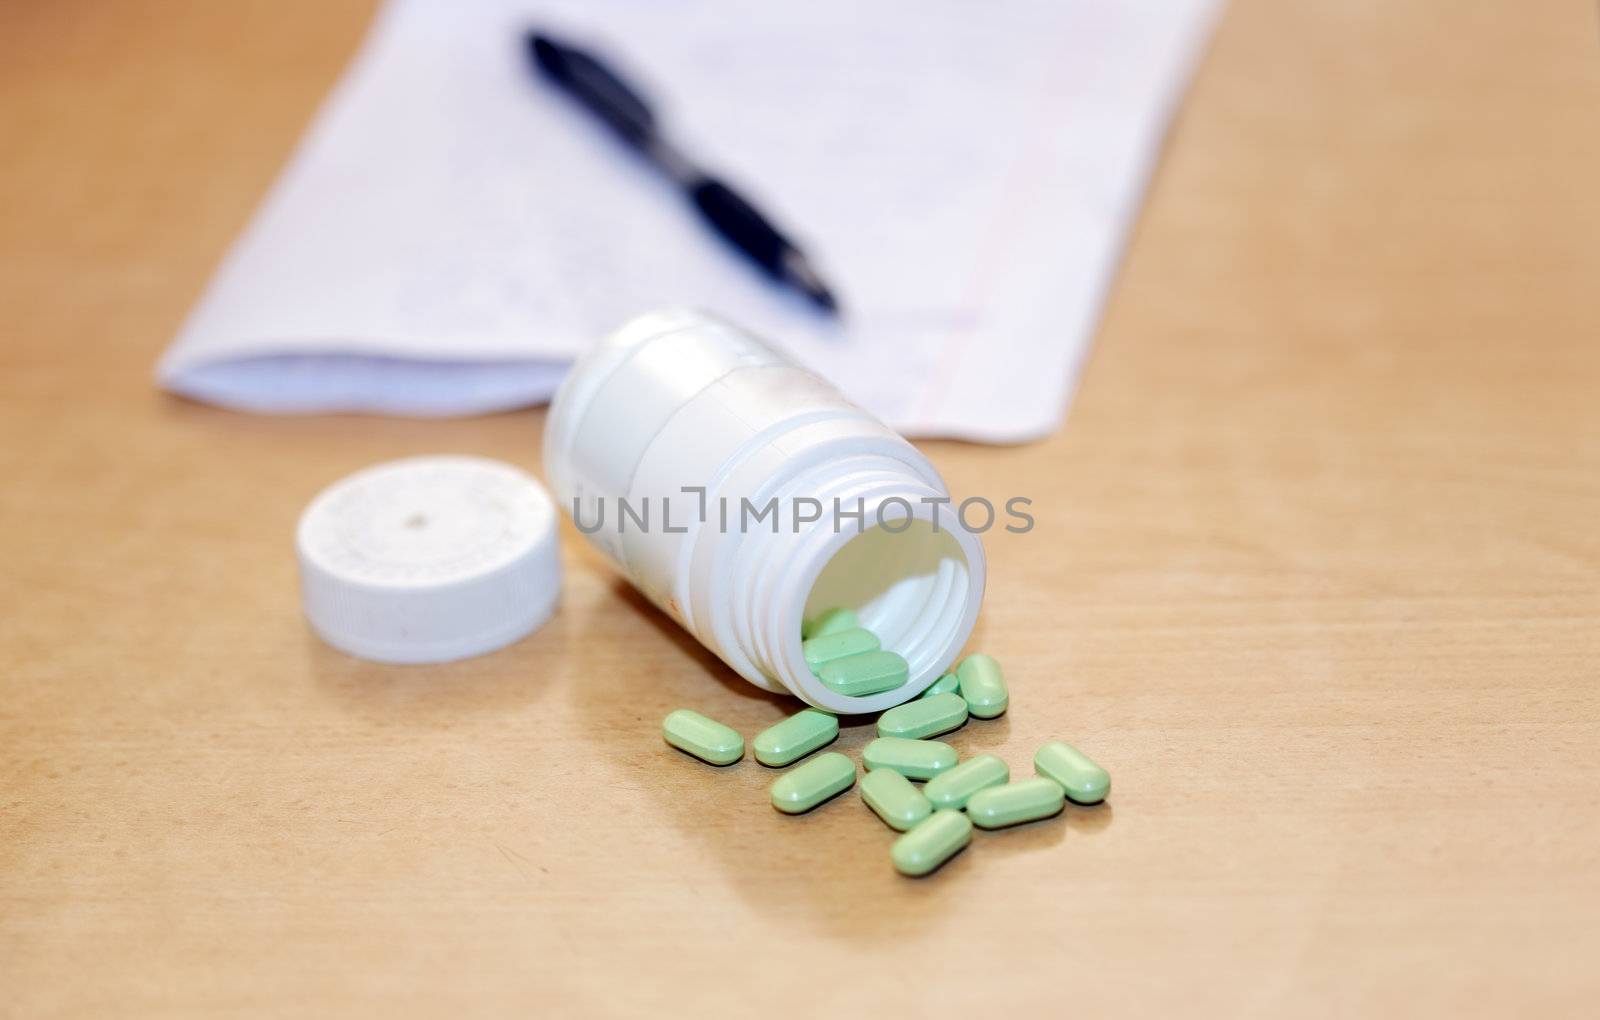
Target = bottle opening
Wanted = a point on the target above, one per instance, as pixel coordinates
(917, 589)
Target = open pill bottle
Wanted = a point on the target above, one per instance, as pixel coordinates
(742, 495)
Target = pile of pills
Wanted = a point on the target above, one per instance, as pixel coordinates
(936, 819)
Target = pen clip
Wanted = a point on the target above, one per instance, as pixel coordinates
(594, 85)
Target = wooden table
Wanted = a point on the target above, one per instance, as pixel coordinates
(1316, 575)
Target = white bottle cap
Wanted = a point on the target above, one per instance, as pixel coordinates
(429, 559)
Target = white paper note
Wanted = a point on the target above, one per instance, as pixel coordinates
(453, 231)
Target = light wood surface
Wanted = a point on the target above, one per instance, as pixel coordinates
(1316, 575)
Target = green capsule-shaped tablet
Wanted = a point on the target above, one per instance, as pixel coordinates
(795, 737)
(826, 775)
(925, 717)
(829, 621)
(914, 759)
(892, 798)
(947, 684)
(1026, 800)
(931, 843)
(952, 789)
(867, 673)
(983, 686)
(824, 649)
(704, 738)
(1084, 781)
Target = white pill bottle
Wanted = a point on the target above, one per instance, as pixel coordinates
(742, 494)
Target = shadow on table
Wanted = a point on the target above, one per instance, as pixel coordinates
(436, 696)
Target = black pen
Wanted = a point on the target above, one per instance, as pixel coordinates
(611, 99)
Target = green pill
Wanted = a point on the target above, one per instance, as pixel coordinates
(892, 798)
(914, 759)
(863, 674)
(1026, 800)
(925, 717)
(826, 775)
(947, 684)
(952, 789)
(795, 737)
(704, 738)
(820, 650)
(983, 686)
(830, 621)
(932, 843)
(1084, 781)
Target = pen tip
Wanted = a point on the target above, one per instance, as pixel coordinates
(803, 277)
(823, 298)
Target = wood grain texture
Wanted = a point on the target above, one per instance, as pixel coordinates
(1316, 575)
